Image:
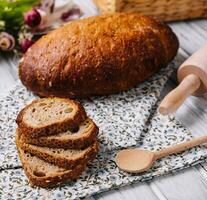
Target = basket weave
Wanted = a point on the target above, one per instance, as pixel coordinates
(164, 10)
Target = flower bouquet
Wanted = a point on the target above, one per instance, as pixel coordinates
(22, 22)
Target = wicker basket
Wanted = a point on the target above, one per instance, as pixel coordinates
(164, 10)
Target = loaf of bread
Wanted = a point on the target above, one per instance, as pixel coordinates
(97, 55)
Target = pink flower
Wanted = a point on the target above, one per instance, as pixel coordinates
(7, 41)
(25, 44)
(32, 18)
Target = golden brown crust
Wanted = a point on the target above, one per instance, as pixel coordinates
(29, 131)
(98, 55)
(74, 142)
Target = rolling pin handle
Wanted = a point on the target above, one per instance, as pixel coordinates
(177, 96)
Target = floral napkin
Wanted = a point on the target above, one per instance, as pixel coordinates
(126, 119)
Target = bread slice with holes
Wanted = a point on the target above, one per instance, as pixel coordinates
(44, 174)
(67, 158)
(49, 116)
(80, 138)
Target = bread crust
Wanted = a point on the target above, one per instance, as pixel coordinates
(71, 122)
(74, 142)
(99, 55)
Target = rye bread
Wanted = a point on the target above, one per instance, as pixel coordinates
(44, 174)
(66, 158)
(49, 116)
(81, 138)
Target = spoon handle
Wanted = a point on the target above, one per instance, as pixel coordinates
(180, 147)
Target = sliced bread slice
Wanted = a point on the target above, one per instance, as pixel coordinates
(67, 158)
(44, 174)
(81, 138)
(49, 116)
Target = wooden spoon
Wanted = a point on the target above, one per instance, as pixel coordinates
(139, 160)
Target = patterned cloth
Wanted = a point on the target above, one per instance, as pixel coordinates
(127, 119)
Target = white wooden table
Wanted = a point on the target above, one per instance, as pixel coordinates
(189, 184)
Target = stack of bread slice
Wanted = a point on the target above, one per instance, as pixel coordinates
(55, 141)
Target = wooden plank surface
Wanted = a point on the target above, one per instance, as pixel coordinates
(187, 184)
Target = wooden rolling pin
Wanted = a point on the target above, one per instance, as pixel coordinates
(192, 76)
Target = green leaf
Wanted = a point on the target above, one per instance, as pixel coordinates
(11, 13)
